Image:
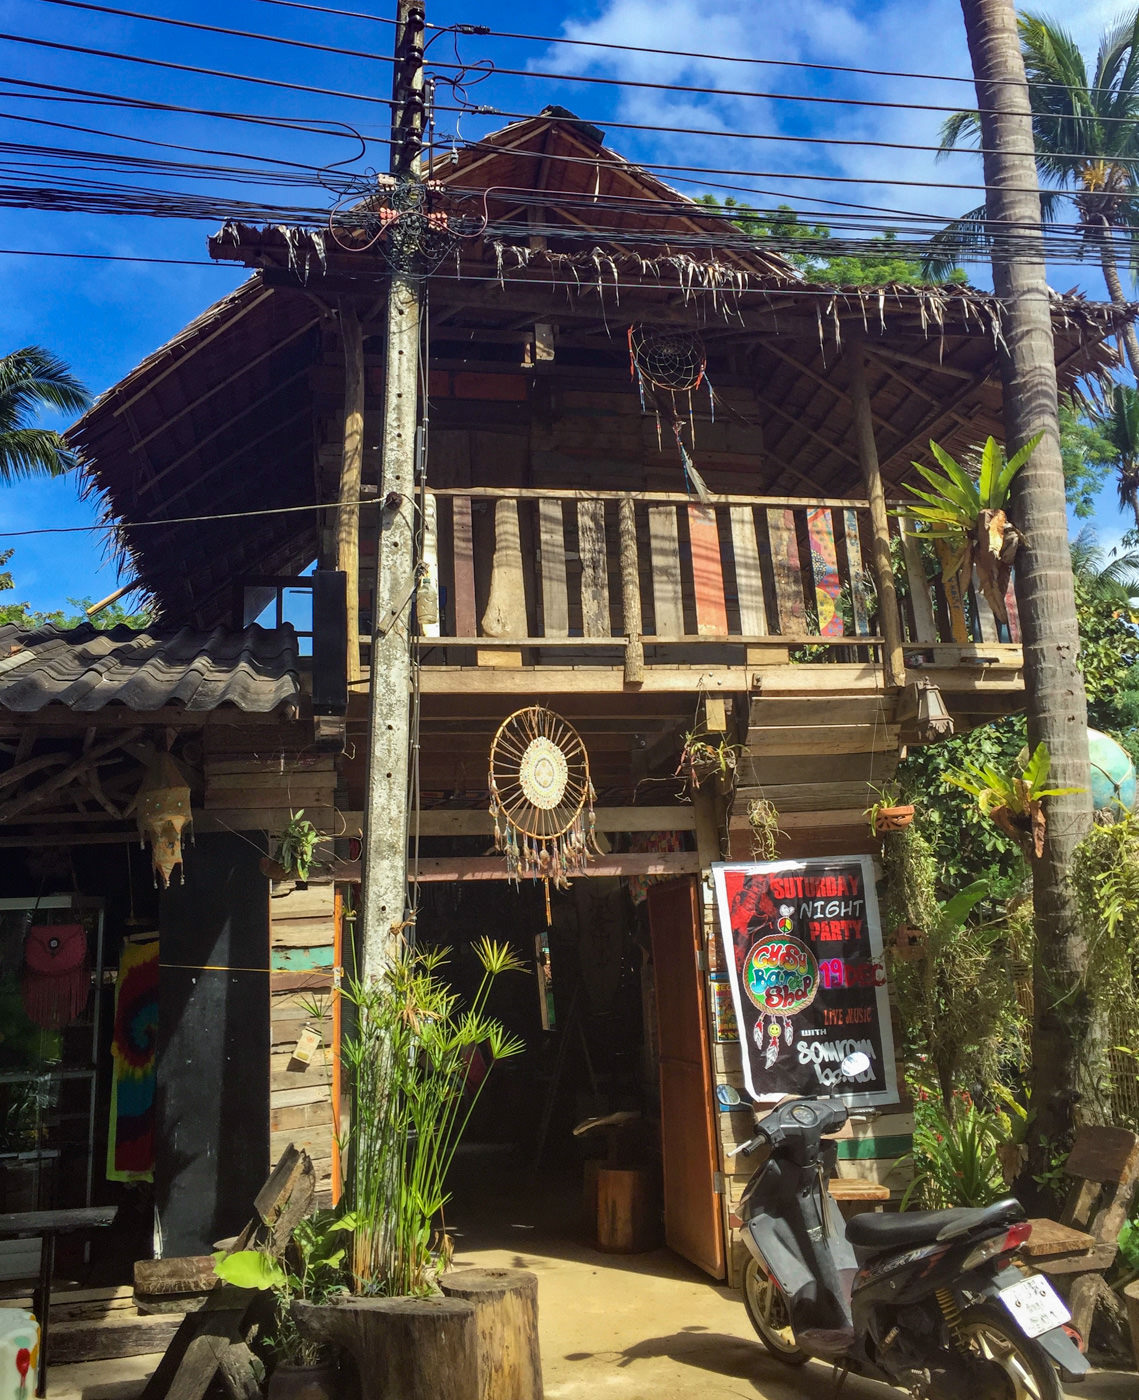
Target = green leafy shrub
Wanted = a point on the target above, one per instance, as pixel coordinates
(955, 1156)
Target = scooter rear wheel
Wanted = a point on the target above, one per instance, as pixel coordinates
(992, 1334)
(766, 1305)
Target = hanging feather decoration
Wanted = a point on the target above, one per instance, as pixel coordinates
(667, 362)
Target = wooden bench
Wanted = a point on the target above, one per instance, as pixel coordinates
(1075, 1250)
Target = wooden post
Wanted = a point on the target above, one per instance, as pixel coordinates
(506, 1322)
(404, 1348)
(890, 620)
(351, 477)
(384, 883)
(631, 594)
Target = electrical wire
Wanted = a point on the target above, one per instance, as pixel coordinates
(110, 257)
(195, 69)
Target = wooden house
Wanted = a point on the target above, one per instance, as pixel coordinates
(636, 610)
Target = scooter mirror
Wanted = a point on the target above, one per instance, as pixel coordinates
(855, 1064)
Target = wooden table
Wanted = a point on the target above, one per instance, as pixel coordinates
(46, 1225)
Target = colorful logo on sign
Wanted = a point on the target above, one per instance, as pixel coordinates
(781, 975)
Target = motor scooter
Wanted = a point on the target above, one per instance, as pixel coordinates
(930, 1301)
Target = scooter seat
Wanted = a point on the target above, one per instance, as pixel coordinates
(927, 1226)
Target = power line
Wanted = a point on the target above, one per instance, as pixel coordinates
(112, 257)
(193, 68)
(218, 29)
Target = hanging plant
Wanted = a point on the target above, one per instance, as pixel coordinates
(293, 854)
(702, 758)
(763, 820)
(1013, 799)
(970, 514)
(889, 813)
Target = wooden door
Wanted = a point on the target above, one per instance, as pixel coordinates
(693, 1220)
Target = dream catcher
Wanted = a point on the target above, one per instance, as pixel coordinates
(541, 798)
(667, 363)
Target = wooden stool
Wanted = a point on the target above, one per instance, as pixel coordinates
(627, 1218)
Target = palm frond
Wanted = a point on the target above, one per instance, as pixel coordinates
(26, 452)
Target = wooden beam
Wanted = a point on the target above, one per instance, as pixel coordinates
(180, 356)
(464, 868)
(351, 477)
(60, 780)
(797, 422)
(169, 422)
(889, 618)
(589, 680)
(881, 353)
(673, 498)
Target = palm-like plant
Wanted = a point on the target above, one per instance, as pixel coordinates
(30, 379)
(1087, 146)
(1120, 426)
(970, 513)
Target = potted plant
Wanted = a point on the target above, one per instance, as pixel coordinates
(1012, 798)
(888, 813)
(970, 513)
(311, 1270)
(294, 852)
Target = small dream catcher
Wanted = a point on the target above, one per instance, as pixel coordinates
(665, 363)
(541, 798)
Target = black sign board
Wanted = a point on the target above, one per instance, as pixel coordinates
(803, 950)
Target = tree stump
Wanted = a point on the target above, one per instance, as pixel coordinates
(627, 1220)
(404, 1348)
(506, 1318)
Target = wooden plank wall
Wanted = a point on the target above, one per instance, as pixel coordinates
(302, 932)
(255, 777)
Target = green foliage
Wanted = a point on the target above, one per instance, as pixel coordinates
(31, 379)
(1087, 456)
(1105, 876)
(955, 1154)
(313, 1269)
(956, 1004)
(297, 845)
(951, 510)
(804, 245)
(1003, 786)
(1120, 426)
(409, 1056)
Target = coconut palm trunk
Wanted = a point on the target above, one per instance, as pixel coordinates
(1056, 702)
(1115, 291)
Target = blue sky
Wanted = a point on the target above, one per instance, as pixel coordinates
(103, 318)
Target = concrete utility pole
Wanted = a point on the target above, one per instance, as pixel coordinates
(386, 792)
(1056, 699)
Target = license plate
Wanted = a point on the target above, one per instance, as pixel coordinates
(1035, 1304)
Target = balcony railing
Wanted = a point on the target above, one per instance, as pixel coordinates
(599, 569)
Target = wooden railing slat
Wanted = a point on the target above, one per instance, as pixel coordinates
(707, 572)
(664, 548)
(824, 567)
(431, 557)
(749, 577)
(788, 575)
(951, 592)
(464, 602)
(924, 627)
(552, 540)
(856, 573)
(594, 571)
(990, 628)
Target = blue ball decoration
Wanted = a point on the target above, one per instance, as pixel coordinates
(1113, 774)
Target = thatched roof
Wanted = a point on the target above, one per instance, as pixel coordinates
(225, 418)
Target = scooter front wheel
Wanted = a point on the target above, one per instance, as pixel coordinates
(991, 1333)
(766, 1305)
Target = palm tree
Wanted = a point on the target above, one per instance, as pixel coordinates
(1086, 136)
(1120, 426)
(29, 379)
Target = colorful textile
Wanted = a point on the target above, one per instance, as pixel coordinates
(650, 842)
(130, 1144)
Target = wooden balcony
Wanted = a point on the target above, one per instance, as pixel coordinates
(645, 585)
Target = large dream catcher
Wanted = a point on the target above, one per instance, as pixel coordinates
(541, 798)
(666, 362)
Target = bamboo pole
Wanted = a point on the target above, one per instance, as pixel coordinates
(631, 594)
(890, 623)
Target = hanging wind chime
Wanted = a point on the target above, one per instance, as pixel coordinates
(541, 798)
(665, 363)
